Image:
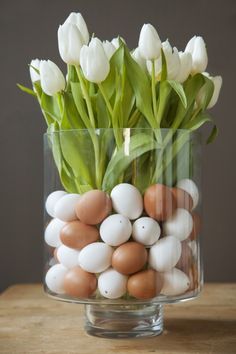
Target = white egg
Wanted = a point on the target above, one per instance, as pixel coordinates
(115, 229)
(65, 207)
(191, 188)
(127, 200)
(55, 277)
(146, 231)
(165, 253)
(180, 224)
(112, 284)
(51, 201)
(95, 257)
(52, 233)
(176, 282)
(67, 256)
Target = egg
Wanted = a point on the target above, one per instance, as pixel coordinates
(76, 234)
(55, 277)
(176, 283)
(67, 256)
(159, 202)
(191, 188)
(65, 207)
(180, 224)
(186, 258)
(146, 284)
(183, 199)
(95, 257)
(78, 283)
(129, 258)
(52, 232)
(146, 231)
(51, 201)
(165, 253)
(112, 284)
(196, 226)
(93, 207)
(127, 200)
(115, 229)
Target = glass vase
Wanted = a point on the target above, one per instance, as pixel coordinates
(122, 224)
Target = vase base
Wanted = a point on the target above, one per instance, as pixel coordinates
(116, 322)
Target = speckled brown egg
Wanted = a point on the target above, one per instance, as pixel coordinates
(78, 283)
(129, 258)
(76, 234)
(196, 227)
(93, 207)
(159, 202)
(186, 258)
(183, 199)
(145, 284)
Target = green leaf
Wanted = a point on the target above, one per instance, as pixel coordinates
(163, 100)
(213, 135)
(80, 104)
(27, 90)
(178, 88)
(49, 105)
(103, 118)
(198, 121)
(207, 91)
(71, 118)
(164, 66)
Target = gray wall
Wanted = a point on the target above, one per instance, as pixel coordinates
(28, 30)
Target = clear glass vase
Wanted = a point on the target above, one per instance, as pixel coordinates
(122, 224)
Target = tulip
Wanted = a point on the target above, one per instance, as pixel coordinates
(35, 63)
(70, 42)
(217, 81)
(109, 49)
(116, 41)
(52, 79)
(197, 47)
(94, 62)
(149, 43)
(185, 66)
(78, 20)
(139, 59)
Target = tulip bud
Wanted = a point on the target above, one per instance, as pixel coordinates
(52, 79)
(94, 62)
(109, 49)
(35, 63)
(70, 42)
(116, 41)
(139, 59)
(149, 43)
(78, 20)
(197, 48)
(217, 81)
(185, 67)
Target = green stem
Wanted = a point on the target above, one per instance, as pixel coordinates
(134, 118)
(109, 107)
(60, 102)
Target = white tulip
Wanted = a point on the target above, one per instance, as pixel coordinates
(94, 62)
(139, 59)
(109, 48)
(78, 20)
(70, 42)
(185, 66)
(172, 62)
(52, 79)
(197, 47)
(217, 81)
(35, 63)
(116, 41)
(149, 42)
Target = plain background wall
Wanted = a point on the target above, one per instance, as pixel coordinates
(27, 30)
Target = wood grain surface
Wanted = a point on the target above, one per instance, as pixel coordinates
(32, 323)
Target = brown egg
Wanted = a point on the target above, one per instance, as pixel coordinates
(93, 207)
(145, 284)
(186, 258)
(159, 202)
(183, 199)
(76, 234)
(78, 283)
(196, 227)
(129, 258)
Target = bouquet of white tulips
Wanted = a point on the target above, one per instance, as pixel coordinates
(108, 86)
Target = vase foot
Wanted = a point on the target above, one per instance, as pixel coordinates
(132, 321)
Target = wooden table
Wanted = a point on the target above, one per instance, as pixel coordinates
(32, 323)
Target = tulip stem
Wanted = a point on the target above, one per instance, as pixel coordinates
(106, 99)
(60, 103)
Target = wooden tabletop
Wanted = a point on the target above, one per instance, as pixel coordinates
(32, 323)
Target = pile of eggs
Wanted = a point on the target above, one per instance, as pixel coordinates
(124, 243)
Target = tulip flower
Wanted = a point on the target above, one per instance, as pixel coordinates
(35, 63)
(139, 59)
(70, 42)
(52, 79)
(116, 41)
(197, 47)
(109, 49)
(217, 81)
(185, 66)
(78, 20)
(94, 62)
(149, 43)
